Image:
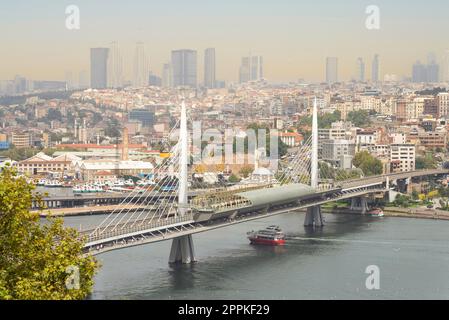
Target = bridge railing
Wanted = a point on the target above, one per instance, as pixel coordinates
(99, 235)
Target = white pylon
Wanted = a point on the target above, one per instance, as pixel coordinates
(314, 158)
(183, 161)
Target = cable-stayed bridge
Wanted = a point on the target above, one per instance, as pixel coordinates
(303, 183)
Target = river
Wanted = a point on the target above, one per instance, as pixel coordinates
(412, 256)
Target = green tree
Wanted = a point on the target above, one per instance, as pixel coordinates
(368, 164)
(38, 259)
(245, 171)
(359, 118)
(233, 179)
(426, 162)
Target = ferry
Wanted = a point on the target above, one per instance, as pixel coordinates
(376, 212)
(53, 184)
(272, 236)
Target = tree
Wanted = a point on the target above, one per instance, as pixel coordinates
(425, 163)
(245, 171)
(359, 118)
(368, 164)
(233, 179)
(38, 261)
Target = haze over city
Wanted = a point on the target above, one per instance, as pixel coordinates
(294, 37)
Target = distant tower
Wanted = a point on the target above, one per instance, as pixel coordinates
(360, 70)
(167, 74)
(375, 74)
(99, 67)
(141, 66)
(125, 150)
(331, 70)
(209, 68)
(115, 76)
(184, 68)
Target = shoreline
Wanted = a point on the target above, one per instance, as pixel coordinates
(396, 212)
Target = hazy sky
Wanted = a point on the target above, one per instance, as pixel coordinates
(293, 36)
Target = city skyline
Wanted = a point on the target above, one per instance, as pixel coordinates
(339, 31)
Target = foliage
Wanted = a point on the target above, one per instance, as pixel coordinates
(112, 129)
(360, 118)
(368, 164)
(282, 147)
(19, 154)
(329, 172)
(233, 178)
(425, 163)
(245, 171)
(402, 201)
(35, 258)
(324, 121)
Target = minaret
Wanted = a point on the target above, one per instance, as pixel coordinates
(125, 150)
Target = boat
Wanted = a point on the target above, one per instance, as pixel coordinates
(272, 236)
(376, 212)
(53, 184)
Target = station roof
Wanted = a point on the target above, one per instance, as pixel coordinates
(275, 194)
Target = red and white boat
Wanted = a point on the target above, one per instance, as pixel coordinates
(376, 212)
(271, 236)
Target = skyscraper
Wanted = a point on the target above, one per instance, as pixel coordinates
(419, 72)
(141, 66)
(251, 69)
(99, 67)
(445, 72)
(331, 70)
(184, 65)
(375, 74)
(426, 73)
(167, 75)
(209, 68)
(360, 70)
(115, 67)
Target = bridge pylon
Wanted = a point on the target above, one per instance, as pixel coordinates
(314, 216)
(182, 250)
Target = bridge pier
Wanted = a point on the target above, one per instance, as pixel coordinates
(182, 250)
(360, 204)
(314, 217)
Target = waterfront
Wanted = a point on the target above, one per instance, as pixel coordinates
(412, 254)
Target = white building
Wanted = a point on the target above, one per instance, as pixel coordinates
(402, 157)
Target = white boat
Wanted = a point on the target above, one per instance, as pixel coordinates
(129, 183)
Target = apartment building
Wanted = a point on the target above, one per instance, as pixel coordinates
(402, 157)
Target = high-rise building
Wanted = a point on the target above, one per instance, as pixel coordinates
(115, 67)
(141, 66)
(70, 84)
(375, 70)
(425, 73)
(360, 70)
(331, 70)
(83, 80)
(99, 67)
(184, 68)
(445, 72)
(209, 68)
(251, 69)
(154, 80)
(167, 75)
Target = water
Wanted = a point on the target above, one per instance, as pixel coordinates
(413, 257)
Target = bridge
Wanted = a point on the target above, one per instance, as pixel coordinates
(174, 217)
